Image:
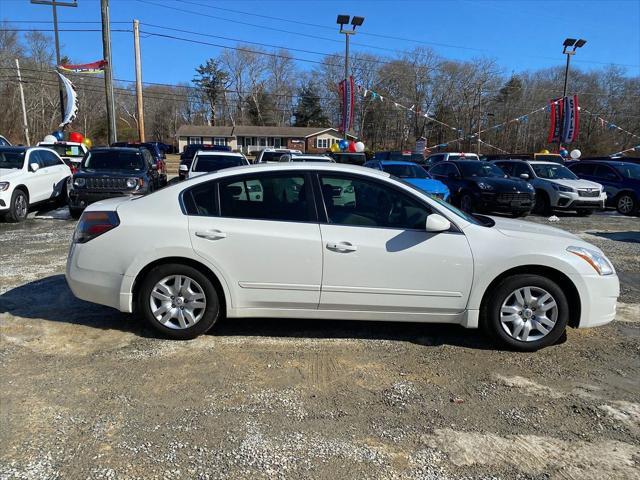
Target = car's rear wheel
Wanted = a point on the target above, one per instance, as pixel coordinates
(526, 312)
(626, 204)
(19, 206)
(178, 301)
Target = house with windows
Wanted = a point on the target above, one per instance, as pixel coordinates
(251, 139)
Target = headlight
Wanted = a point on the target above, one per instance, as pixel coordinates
(79, 182)
(485, 186)
(132, 182)
(4, 186)
(530, 187)
(562, 188)
(598, 261)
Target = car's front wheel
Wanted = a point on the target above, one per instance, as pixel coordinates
(626, 204)
(178, 301)
(19, 206)
(526, 312)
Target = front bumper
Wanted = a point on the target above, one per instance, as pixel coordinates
(84, 198)
(505, 202)
(573, 201)
(599, 296)
(5, 200)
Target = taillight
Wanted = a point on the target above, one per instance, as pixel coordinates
(93, 224)
(74, 169)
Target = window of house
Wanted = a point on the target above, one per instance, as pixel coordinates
(364, 203)
(219, 141)
(280, 197)
(194, 140)
(277, 142)
(322, 143)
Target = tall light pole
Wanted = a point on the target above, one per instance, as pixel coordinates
(55, 4)
(568, 43)
(355, 22)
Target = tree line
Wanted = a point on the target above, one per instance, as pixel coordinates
(249, 86)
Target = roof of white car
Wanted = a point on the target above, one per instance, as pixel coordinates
(203, 153)
(286, 166)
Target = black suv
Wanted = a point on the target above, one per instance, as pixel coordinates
(159, 157)
(112, 172)
(482, 186)
(186, 157)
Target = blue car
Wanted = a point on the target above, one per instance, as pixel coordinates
(413, 174)
(621, 182)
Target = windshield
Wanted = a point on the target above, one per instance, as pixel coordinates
(553, 172)
(212, 163)
(11, 158)
(446, 205)
(113, 160)
(405, 171)
(629, 170)
(481, 169)
(271, 156)
(66, 150)
(466, 156)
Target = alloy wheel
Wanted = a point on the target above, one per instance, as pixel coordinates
(177, 302)
(625, 204)
(528, 314)
(21, 206)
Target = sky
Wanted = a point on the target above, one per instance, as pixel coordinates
(520, 35)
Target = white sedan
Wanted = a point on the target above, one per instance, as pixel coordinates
(333, 241)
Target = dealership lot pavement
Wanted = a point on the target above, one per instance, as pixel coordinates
(88, 392)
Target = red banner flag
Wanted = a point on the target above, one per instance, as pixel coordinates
(555, 124)
(94, 67)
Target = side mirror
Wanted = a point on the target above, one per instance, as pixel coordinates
(524, 176)
(184, 168)
(437, 223)
(34, 167)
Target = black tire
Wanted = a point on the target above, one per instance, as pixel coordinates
(466, 203)
(63, 196)
(19, 206)
(75, 212)
(210, 314)
(627, 204)
(543, 205)
(491, 312)
(584, 213)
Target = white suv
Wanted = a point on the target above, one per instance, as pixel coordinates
(273, 154)
(443, 157)
(207, 161)
(30, 175)
(557, 187)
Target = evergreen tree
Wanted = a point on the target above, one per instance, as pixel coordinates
(211, 80)
(309, 111)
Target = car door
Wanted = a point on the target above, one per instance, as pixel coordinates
(58, 172)
(260, 231)
(379, 257)
(608, 178)
(38, 181)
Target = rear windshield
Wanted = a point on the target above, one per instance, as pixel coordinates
(11, 159)
(405, 171)
(467, 156)
(271, 156)
(66, 150)
(212, 163)
(113, 160)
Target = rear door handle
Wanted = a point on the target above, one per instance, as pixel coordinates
(211, 234)
(341, 247)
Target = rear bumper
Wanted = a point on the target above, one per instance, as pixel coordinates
(599, 296)
(91, 285)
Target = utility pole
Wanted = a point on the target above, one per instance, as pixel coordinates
(54, 4)
(108, 72)
(355, 22)
(479, 115)
(139, 104)
(24, 108)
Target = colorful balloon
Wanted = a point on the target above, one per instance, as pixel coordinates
(335, 148)
(575, 154)
(49, 139)
(87, 142)
(352, 147)
(76, 137)
(343, 145)
(544, 151)
(359, 147)
(59, 134)
(564, 152)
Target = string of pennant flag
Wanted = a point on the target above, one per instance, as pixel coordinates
(367, 92)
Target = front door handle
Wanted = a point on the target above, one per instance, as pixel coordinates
(211, 234)
(341, 247)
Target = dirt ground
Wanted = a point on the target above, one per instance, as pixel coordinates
(90, 393)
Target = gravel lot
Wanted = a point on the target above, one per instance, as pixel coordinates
(88, 392)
